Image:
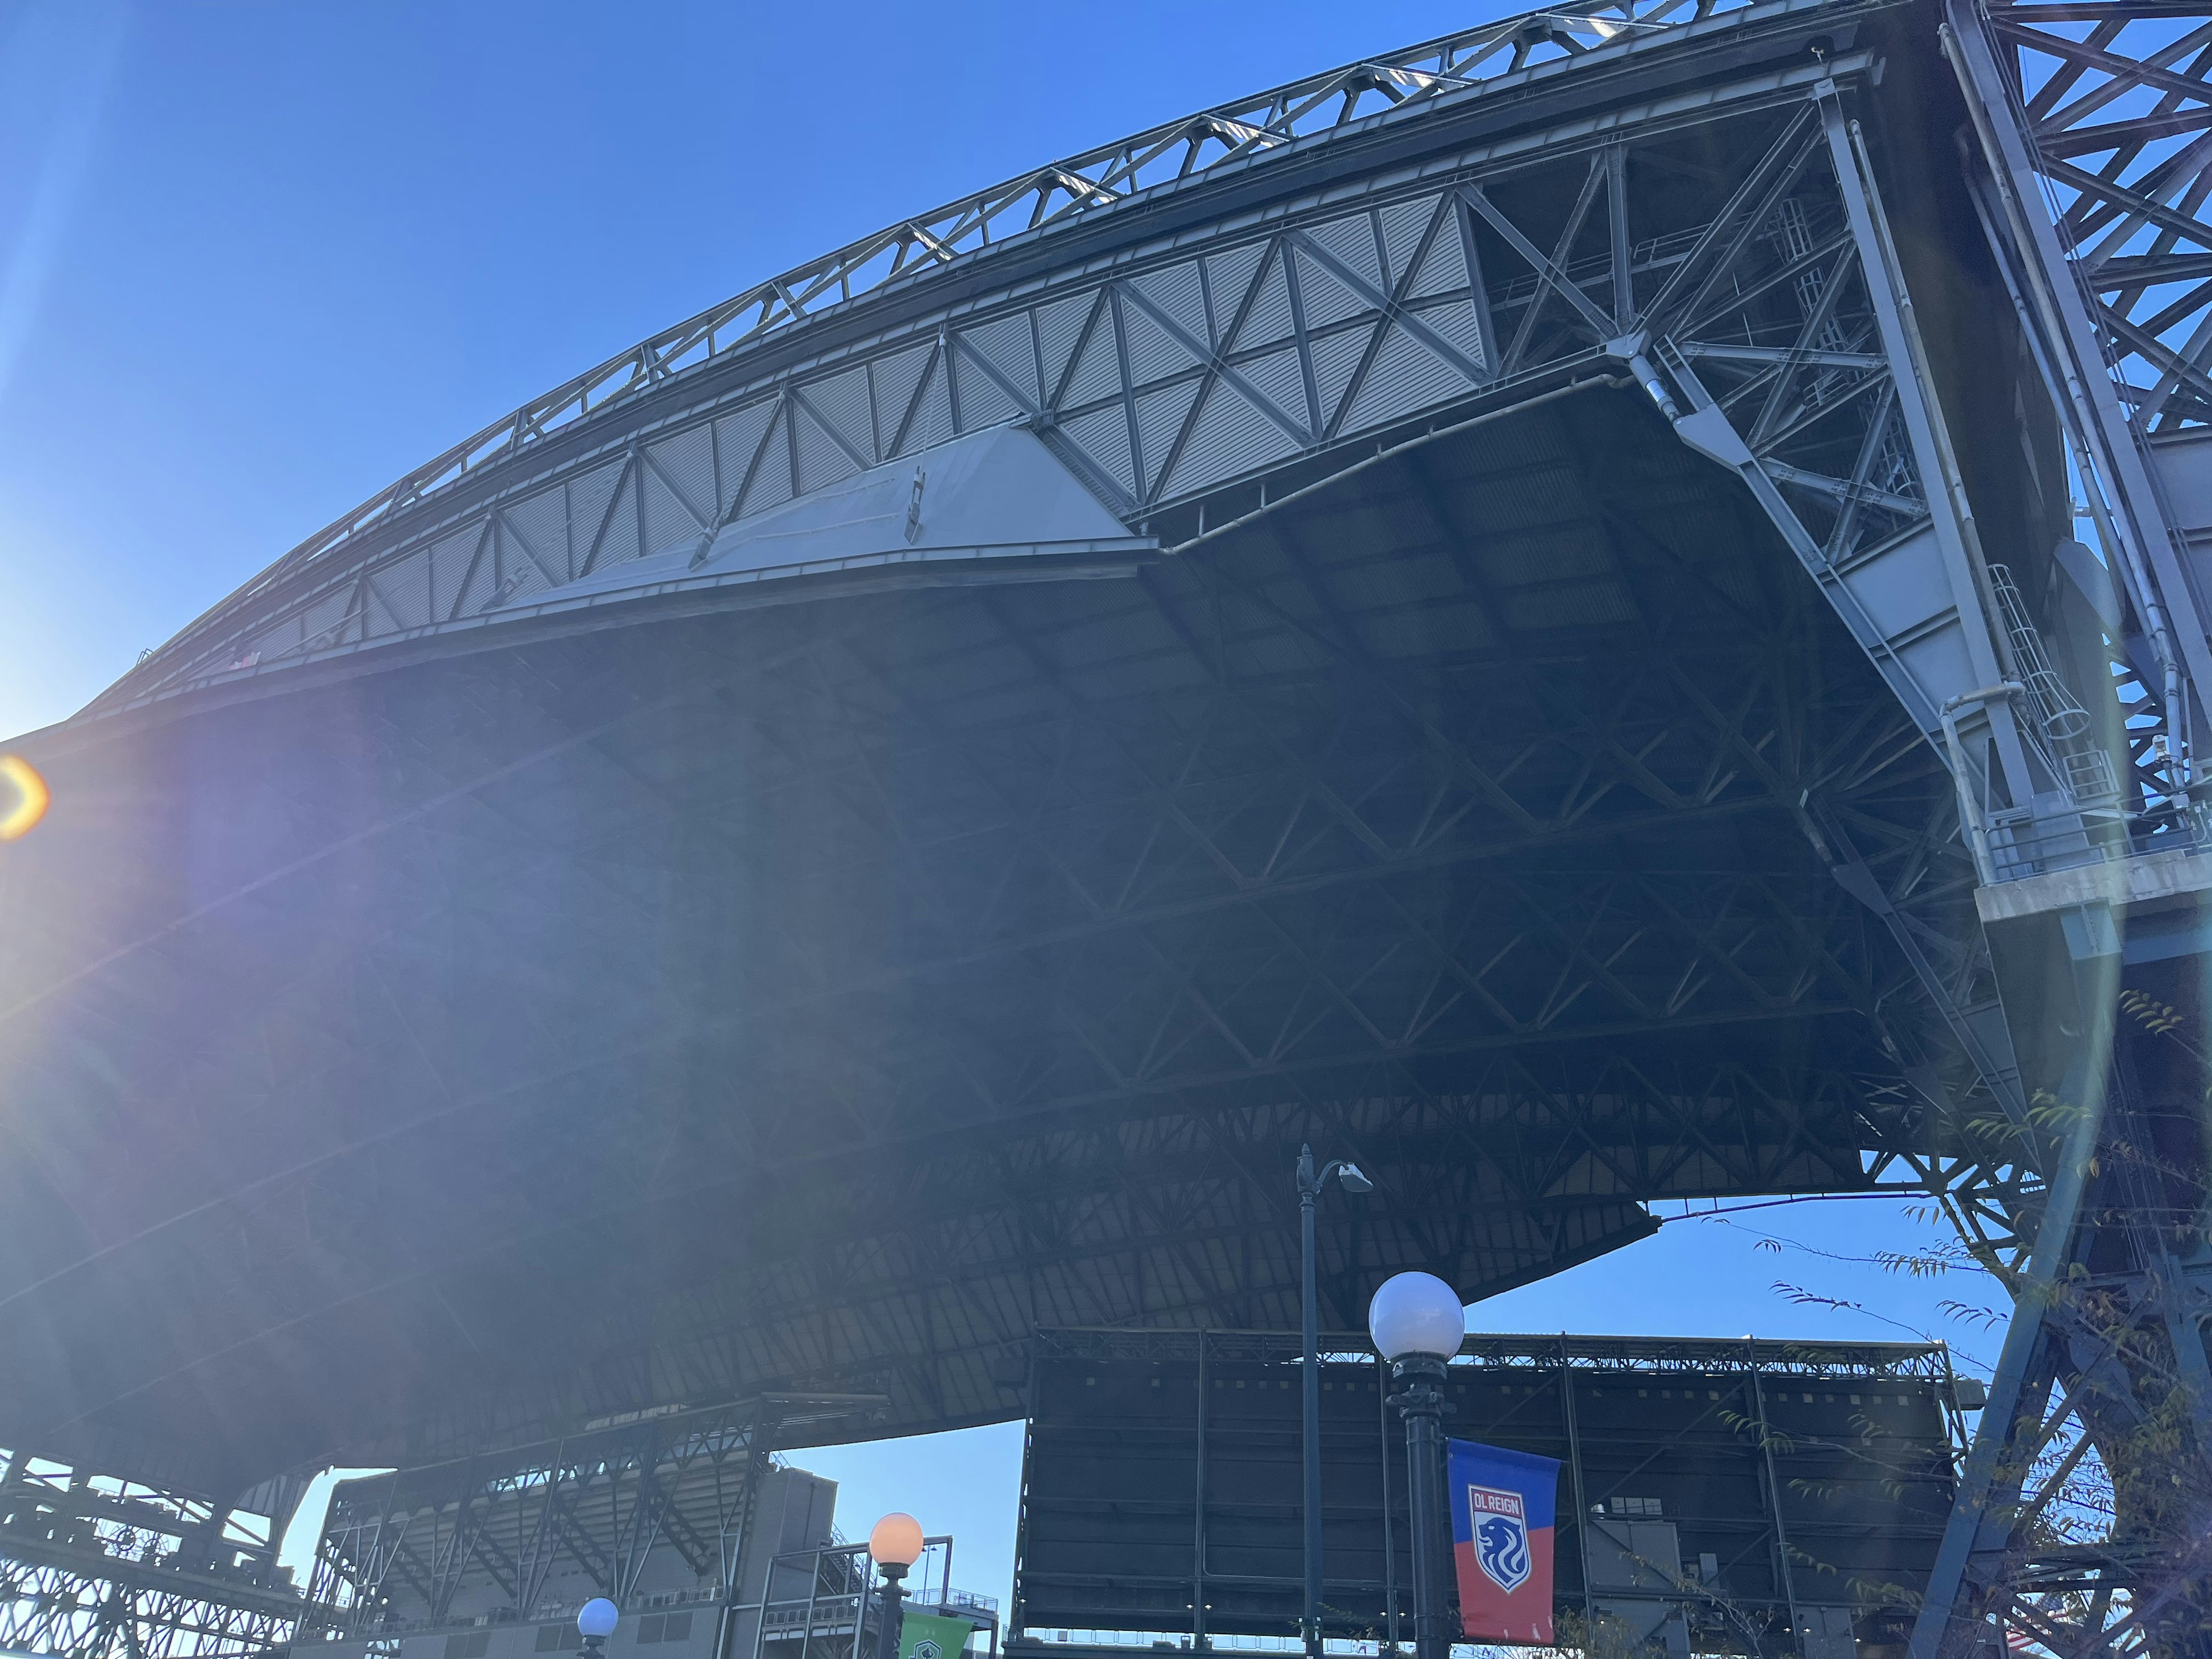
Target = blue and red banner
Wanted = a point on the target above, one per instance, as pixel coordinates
(1503, 1508)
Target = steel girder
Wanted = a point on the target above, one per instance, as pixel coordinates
(2086, 157)
(1169, 386)
(396, 1549)
(93, 1566)
(2089, 185)
(95, 1611)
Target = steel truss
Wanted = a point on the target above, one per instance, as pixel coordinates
(1773, 326)
(97, 1567)
(2089, 185)
(2104, 1372)
(396, 1549)
(1177, 379)
(2086, 153)
(1499, 58)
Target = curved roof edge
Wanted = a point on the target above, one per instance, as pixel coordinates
(1318, 106)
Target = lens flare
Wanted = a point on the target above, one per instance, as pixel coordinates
(23, 797)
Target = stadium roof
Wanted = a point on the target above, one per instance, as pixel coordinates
(665, 985)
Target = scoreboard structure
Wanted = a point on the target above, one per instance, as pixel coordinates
(1717, 1495)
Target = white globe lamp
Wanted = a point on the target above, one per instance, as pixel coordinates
(895, 1541)
(1416, 1313)
(597, 1620)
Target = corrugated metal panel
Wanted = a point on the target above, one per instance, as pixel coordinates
(771, 480)
(1006, 344)
(1326, 299)
(1404, 224)
(1405, 375)
(1281, 378)
(1176, 291)
(1454, 320)
(1160, 422)
(739, 436)
(1269, 319)
(1336, 358)
(1230, 437)
(983, 401)
(1104, 439)
(1154, 354)
(1444, 267)
(896, 379)
(932, 423)
(1059, 327)
(448, 561)
(822, 461)
(404, 591)
(1098, 366)
(588, 499)
(1352, 241)
(840, 402)
(611, 534)
(1228, 279)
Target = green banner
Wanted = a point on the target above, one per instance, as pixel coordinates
(922, 1636)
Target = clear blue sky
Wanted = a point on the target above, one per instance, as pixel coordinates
(258, 259)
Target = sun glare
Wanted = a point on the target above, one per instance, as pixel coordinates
(23, 797)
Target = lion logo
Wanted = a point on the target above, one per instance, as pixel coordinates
(1501, 1536)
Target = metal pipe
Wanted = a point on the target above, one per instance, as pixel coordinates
(1648, 377)
(1574, 1468)
(887, 1626)
(1389, 1543)
(1969, 815)
(1197, 1639)
(1310, 1329)
(1782, 1566)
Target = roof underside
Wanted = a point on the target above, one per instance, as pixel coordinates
(824, 993)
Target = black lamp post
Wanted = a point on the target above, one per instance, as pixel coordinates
(1418, 1323)
(1310, 1186)
(895, 1545)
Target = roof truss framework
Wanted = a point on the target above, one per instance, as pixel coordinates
(1107, 894)
(826, 991)
(1502, 57)
(1510, 265)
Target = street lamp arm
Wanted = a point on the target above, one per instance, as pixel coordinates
(1311, 1183)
